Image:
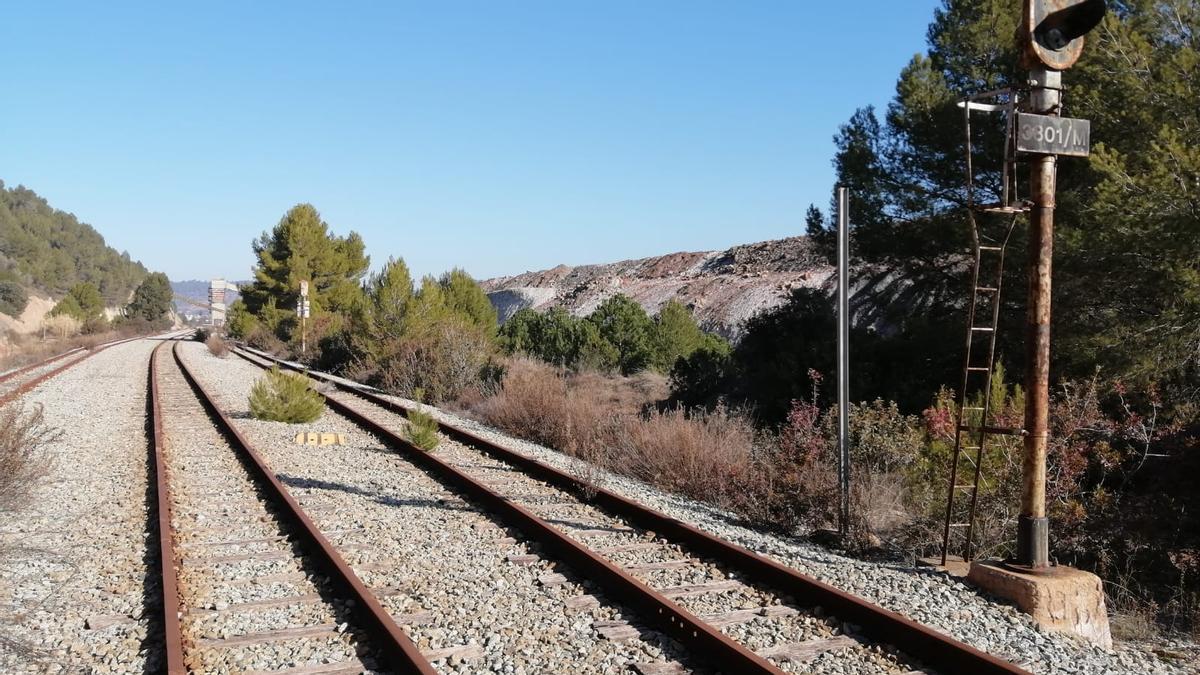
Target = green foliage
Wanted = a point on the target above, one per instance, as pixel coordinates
(700, 379)
(676, 335)
(68, 306)
(596, 342)
(152, 299)
(82, 302)
(239, 322)
(301, 248)
(822, 235)
(285, 397)
(1128, 230)
(625, 325)
(422, 430)
(437, 339)
(13, 298)
(558, 338)
(464, 296)
(52, 251)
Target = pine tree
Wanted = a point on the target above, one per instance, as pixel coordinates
(301, 248)
(152, 299)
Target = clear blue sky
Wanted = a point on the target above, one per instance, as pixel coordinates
(495, 136)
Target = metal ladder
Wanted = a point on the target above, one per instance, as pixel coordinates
(972, 428)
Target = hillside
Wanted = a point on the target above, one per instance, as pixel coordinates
(43, 249)
(723, 288)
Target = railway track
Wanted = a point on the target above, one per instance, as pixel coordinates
(249, 582)
(735, 611)
(17, 382)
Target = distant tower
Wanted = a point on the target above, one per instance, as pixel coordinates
(216, 300)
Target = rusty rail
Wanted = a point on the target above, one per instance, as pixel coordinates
(28, 385)
(935, 649)
(172, 634)
(397, 649)
(33, 366)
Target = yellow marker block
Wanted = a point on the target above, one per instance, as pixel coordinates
(319, 439)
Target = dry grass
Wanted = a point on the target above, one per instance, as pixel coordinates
(705, 456)
(607, 421)
(18, 349)
(776, 482)
(24, 437)
(216, 346)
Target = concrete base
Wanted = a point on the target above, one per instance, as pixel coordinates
(955, 566)
(1060, 598)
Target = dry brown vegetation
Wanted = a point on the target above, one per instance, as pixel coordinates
(20, 349)
(216, 346)
(610, 422)
(786, 478)
(24, 437)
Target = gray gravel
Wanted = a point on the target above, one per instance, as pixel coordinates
(933, 599)
(230, 540)
(73, 577)
(425, 551)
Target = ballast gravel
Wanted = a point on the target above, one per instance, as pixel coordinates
(74, 576)
(439, 564)
(933, 599)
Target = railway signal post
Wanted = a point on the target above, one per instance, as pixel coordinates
(1051, 41)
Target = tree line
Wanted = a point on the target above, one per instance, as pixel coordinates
(51, 251)
(438, 338)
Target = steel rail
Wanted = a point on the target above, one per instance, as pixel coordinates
(167, 560)
(28, 385)
(699, 637)
(935, 649)
(38, 364)
(398, 650)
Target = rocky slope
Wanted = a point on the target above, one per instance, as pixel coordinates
(722, 288)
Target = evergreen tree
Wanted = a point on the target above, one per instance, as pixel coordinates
(624, 324)
(152, 299)
(82, 302)
(1127, 224)
(464, 296)
(301, 248)
(675, 335)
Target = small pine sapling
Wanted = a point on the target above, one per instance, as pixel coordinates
(422, 430)
(285, 397)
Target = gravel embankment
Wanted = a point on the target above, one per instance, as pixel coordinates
(703, 587)
(230, 540)
(933, 599)
(440, 565)
(74, 581)
(17, 380)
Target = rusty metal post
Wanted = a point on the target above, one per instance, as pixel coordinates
(1033, 548)
(843, 216)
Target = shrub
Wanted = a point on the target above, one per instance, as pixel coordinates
(23, 439)
(704, 455)
(13, 298)
(285, 397)
(216, 346)
(422, 430)
(201, 335)
(260, 337)
(444, 360)
(61, 325)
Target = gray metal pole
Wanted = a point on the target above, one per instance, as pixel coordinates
(844, 358)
